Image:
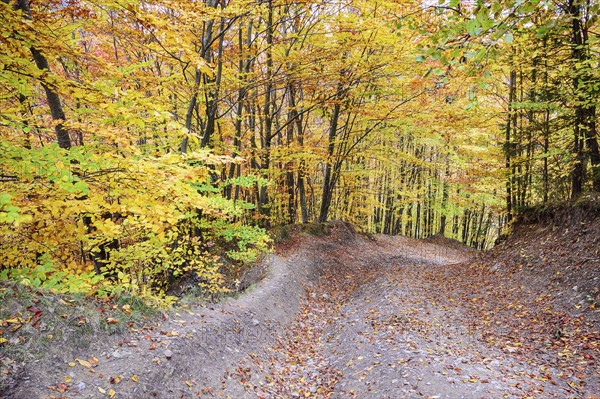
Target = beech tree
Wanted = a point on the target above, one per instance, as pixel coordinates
(195, 123)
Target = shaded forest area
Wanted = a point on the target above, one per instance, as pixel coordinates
(146, 142)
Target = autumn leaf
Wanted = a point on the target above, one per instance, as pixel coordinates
(115, 380)
(84, 363)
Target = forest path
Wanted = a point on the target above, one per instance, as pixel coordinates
(410, 321)
(342, 317)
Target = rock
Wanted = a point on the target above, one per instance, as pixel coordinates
(168, 354)
(255, 322)
(121, 354)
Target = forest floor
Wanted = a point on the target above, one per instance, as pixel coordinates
(348, 316)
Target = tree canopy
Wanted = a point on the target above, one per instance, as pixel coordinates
(143, 142)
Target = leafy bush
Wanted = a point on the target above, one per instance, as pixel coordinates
(78, 221)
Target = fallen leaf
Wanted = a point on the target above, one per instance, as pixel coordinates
(37, 315)
(62, 388)
(16, 327)
(84, 363)
(102, 390)
(134, 378)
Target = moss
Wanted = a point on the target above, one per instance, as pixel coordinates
(281, 234)
(316, 229)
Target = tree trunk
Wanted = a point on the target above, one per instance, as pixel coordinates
(56, 110)
(508, 145)
(328, 182)
(263, 198)
(584, 128)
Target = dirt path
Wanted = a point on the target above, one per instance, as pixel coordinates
(401, 337)
(401, 321)
(342, 317)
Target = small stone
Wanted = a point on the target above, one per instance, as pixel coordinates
(121, 354)
(255, 322)
(168, 354)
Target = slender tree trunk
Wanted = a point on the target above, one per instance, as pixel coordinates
(508, 145)
(445, 197)
(263, 199)
(213, 84)
(189, 115)
(56, 110)
(546, 127)
(244, 65)
(327, 181)
(584, 129)
(199, 76)
(289, 174)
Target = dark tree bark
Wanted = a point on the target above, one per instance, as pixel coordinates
(508, 145)
(328, 182)
(584, 128)
(56, 110)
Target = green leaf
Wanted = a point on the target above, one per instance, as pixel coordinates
(473, 27)
(508, 38)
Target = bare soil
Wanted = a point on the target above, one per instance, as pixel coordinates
(347, 316)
